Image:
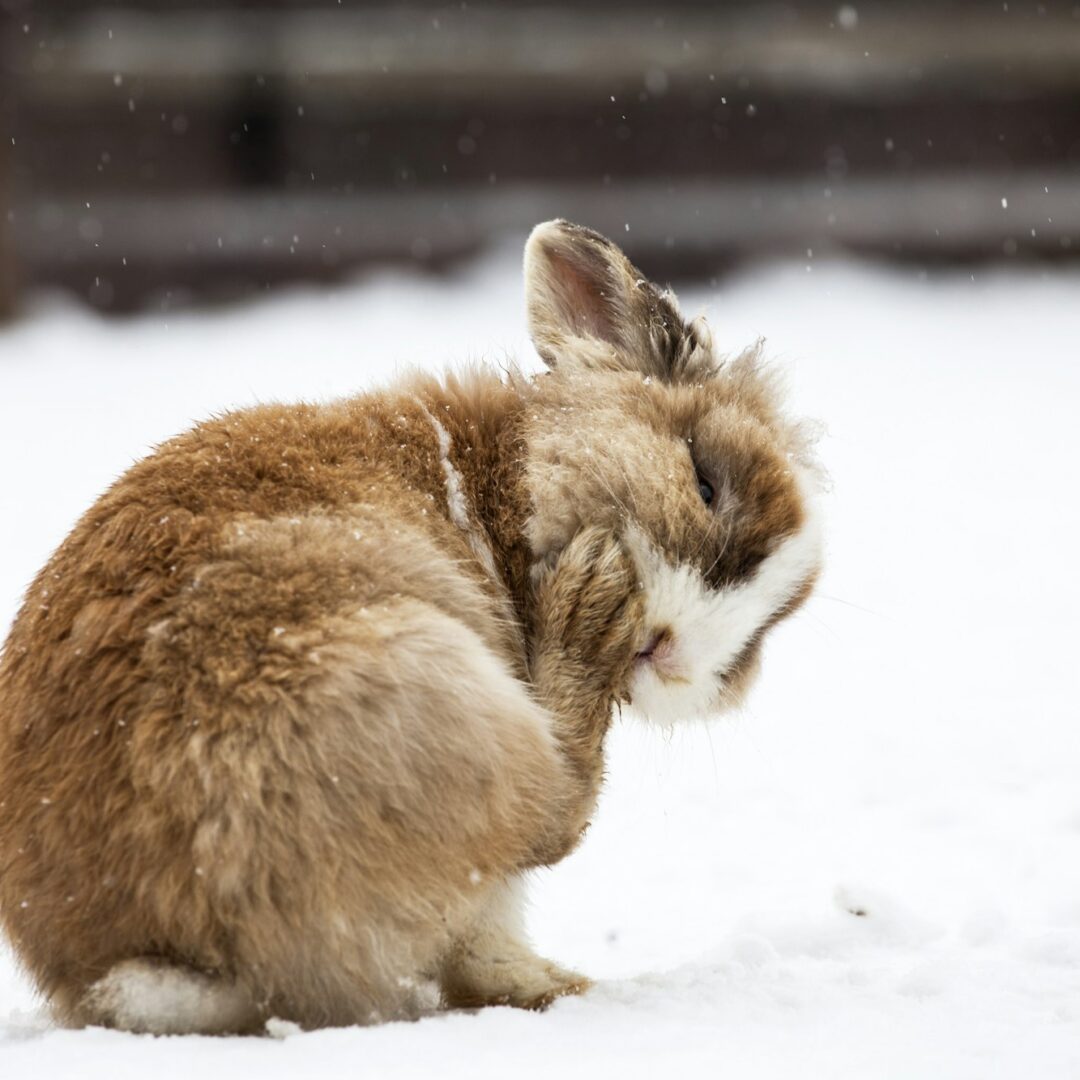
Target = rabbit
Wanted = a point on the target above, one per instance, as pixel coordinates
(287, 717)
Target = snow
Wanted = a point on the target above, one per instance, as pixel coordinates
(874, 871)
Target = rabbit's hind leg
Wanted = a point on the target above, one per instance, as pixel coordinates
(155, 997)
(493, 964)
(425, 777)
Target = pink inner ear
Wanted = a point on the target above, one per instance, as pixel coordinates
(582, 294)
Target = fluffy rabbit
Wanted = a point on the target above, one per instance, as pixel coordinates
(285, 718)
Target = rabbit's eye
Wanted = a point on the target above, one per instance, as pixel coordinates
(706, 490)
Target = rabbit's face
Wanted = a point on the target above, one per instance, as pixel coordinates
(687, 458)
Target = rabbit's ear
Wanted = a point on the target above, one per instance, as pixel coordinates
(588, 304)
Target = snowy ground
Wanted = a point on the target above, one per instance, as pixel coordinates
(912, 751)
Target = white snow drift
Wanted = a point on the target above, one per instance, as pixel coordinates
(874, 871)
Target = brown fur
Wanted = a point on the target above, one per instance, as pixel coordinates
(267, 716)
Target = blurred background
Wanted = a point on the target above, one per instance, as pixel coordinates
(372, 169)
(165, 151)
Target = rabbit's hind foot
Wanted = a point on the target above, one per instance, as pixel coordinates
(155, 997)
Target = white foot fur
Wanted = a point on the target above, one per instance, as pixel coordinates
(153, 997)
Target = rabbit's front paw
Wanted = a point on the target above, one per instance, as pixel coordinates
(522, 981)
(590, 615)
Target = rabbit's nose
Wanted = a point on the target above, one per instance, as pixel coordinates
(659, 652)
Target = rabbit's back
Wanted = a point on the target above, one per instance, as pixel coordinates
(266, 685)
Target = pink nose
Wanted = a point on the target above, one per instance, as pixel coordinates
(659, 650)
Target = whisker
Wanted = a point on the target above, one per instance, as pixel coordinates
(848, 603)
(608, 488)
(721, 554)
(805, 614)
(626, 478)
(714, 526)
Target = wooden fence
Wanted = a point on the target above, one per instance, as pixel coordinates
(161, 150)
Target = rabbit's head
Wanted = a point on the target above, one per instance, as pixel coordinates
(641, 427)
